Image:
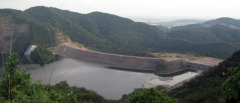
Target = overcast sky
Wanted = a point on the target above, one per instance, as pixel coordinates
(139, 8)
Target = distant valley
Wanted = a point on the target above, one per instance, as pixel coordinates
(171, 22)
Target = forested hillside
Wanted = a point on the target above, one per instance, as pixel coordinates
(113, 34)
(219, 30)
(23, 30)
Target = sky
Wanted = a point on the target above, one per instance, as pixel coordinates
(199, 9)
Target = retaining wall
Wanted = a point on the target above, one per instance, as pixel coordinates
(201, 67)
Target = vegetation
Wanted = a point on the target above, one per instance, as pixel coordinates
(42, 56)
(26, 31)
(14, 82)
(17, 86)
(230, 92)
(113, 34)
(220, 30)
(207, 87)
(151, 95)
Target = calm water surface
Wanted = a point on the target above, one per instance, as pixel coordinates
(109, 83)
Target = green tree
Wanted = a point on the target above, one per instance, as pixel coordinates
(151, 95)
(13, 80)
(42, 55)
(17, 85)
(230, 92)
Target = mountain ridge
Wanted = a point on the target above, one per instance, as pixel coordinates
(112, 34)
(219, 30)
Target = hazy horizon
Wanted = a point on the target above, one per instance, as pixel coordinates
(156, 9)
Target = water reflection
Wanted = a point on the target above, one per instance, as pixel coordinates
(109, 83)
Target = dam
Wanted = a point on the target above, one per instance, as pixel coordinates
(114, 60)
(147, 64)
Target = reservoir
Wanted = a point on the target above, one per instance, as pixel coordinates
(109, 83)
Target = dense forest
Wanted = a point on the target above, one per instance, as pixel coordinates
(219, 30)
(113, 34)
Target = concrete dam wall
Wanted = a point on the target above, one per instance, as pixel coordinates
(122, 61)
(146, 64)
